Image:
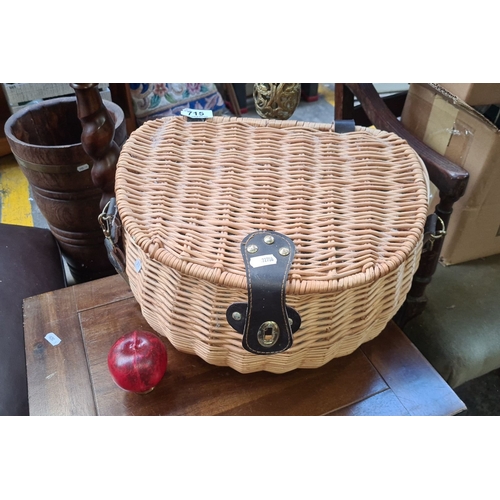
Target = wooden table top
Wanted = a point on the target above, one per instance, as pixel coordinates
(386, 376)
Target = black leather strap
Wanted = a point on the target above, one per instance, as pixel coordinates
(430, 228)
(266, 322)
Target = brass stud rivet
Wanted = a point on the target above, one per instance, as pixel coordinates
(237, 316)
(252, 248)
(284, 251)
(268, 238)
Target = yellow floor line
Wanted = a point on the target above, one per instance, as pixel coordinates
(327, 93)
(14, 194)
(329, 96)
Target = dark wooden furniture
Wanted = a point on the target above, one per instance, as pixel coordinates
(30, 264)
(120, 94)
(386, 376)
(450, 179)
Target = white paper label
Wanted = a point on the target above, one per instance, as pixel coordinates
(52, 338)
(263, 260)
(81, 168)
(197, 113)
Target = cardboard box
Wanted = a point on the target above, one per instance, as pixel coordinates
(457, 131)
(475, 94)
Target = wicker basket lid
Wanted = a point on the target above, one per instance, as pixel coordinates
(354, 204)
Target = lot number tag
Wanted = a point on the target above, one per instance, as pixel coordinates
(197, 113)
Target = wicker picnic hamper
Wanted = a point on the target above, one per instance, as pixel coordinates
(190, 194)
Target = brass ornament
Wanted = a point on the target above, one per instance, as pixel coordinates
(276, 100)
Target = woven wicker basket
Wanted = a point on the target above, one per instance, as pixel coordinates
(353, 204)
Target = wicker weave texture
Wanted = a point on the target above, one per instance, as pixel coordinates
(354, 204)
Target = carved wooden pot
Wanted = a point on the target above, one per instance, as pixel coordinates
(46, 141)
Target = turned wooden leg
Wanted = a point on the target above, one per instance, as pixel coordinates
(98, 137)
(235, 97)
(344, 102)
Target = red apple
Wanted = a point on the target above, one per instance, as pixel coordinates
(137, 361)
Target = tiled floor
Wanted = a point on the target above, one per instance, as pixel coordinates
(482, 396)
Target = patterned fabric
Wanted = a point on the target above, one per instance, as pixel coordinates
(155, 100)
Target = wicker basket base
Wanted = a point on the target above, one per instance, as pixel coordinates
(191, 313)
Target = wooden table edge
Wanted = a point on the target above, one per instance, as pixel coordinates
(378, 355)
